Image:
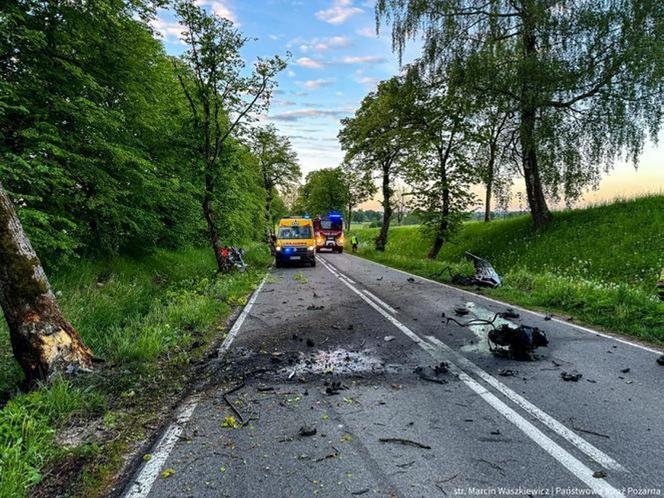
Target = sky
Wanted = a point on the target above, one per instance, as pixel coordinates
(336, 59)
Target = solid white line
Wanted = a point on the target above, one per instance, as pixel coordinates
(520, 308)
(595, 453)
(240, 320)
(150, 471)
(381, 302)
(576, 467)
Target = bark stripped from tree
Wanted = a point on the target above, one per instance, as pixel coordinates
(43, 341)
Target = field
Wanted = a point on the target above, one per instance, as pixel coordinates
(148, 319)
(598, 265)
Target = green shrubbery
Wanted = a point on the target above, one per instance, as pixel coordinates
(598, 264)
(132, 313)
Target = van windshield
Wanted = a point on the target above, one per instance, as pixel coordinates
(295, 233)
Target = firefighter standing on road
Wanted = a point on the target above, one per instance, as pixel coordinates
(354, 242)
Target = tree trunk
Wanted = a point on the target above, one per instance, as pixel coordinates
(538, 208)
(381, 240)
(443, 225)
(213, 235)
(350, 217)
(43, 341)
(489, 183)
(268, 220)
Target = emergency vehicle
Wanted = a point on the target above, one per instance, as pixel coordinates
(329, 231)
(294, 241)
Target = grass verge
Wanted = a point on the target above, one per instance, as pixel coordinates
(150, 320)
(598, 265)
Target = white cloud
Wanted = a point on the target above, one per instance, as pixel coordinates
(310, 63)
(366, 59)
(170, 30)
(312, 84)
(367, 32)
(339, 12)
(368, 81)
(323, 44)
(306, 113)
(219, 8)
(291, 73)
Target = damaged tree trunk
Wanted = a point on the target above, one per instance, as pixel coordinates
(43, 341)
(381, 240)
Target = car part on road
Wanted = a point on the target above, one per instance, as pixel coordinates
(570, 376)
(517, 343)
(307, 431)
(507, 372)
(660, 360)
(485, 274)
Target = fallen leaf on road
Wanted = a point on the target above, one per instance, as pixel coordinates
(231, 422)
(167, 473)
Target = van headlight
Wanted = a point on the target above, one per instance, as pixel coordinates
(311, 248)
(278, 248)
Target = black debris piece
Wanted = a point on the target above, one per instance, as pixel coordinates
(509, 313)
(410, 279)
(310, 343)
(570, 376)
(306, 431)
(547, 318)
(660, 360)
(507, 372)
(599, 474)
(429, 374)
(333, 388)
(625, 370)
(461, 311)
(442, 368)
(361, 491)
(313, 307)
(406, 442)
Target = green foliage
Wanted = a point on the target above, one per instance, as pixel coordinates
(132, 312)
(598, 264)
(324, 190)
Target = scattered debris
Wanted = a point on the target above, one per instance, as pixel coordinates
(599, 474)
(485, 275)
(329, 455)
(547, 318)
(410, 279)
(461, 310)
(406, 442)
(405, 465)
(264, 389)
(430, 374)
(310, 343)
(570, 377)
(307, 431)
(360, 492)
(334, 388)
(167, 473)
(507, 372)
(587, 431)
(495, 433)
(313, 307)
(230, 422)
(625, 370)
(380, 278)
(389, 338)
(509, 313)
(660, 360)
(518, 343)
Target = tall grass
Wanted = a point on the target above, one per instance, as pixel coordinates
(598, 264)
(131, 313)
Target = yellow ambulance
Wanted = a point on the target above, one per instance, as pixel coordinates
(295, 241)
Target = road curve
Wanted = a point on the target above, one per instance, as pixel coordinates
(334, 350)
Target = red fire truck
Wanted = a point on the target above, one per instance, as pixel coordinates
(329, 231)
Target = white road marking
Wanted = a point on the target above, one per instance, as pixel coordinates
(381, 302)
(150, 471)
(566, 459)
(240, 320)
(595, 453)
(520, 308)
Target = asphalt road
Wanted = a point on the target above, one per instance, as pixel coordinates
(335, 348)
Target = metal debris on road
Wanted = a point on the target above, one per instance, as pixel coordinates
(389, 338)
(507, 372)
(660, 360)
(570, 376)
(461, 310)
(431, 374)
(599, 474)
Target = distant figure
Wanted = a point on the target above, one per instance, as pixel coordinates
(354, 242)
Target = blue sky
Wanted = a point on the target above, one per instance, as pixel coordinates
(337, 58)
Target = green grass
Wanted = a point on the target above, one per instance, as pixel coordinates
(140, 316)
(599, 264)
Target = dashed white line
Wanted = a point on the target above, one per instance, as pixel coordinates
(566, 459)
(148, 474)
